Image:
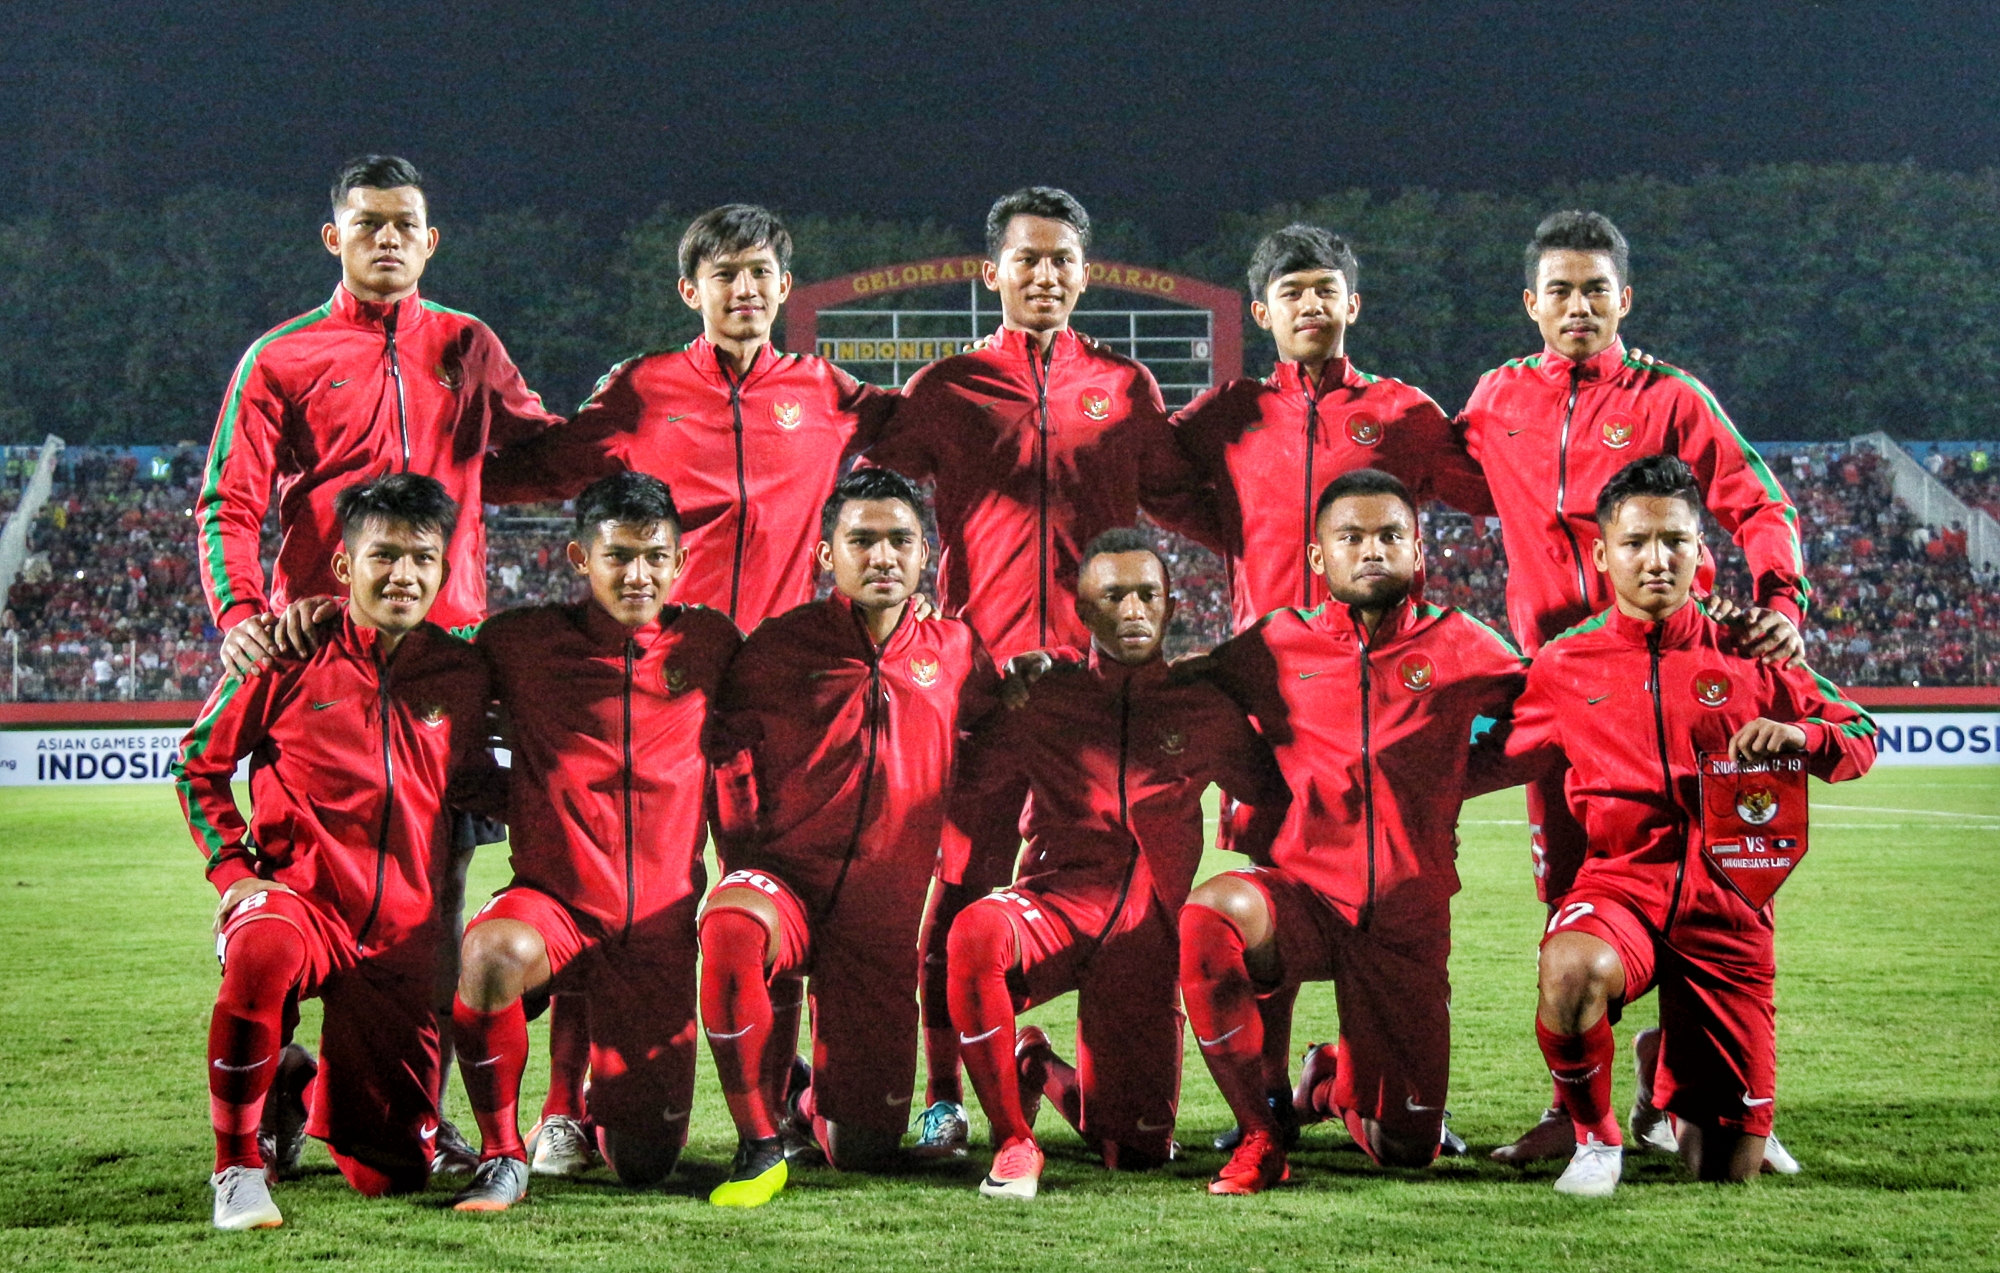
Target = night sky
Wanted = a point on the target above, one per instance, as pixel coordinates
(1169, 115)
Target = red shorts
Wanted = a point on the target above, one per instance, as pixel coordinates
(1393, 987)
(641, 989)
(1716, 971)
(863, 994)
(374, 1099)
(1128, 1012)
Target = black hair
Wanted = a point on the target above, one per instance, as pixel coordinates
(1300, 247)
(1574, 231)
(733, 228)
(1125, 539)
(1655, 476)
(1362, 482)
(868, 484)
(399, 499)
(375, 172)
(628, 498)
(1035, 201)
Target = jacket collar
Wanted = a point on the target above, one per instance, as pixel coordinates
(1017, 345)
(1680, 629)
(1290, 377)
(1114, 674)
(364, 644)
(848, 618)
(374, 315)
(1345, 620)
(1603, 365)
(610, 634)
(708, 360)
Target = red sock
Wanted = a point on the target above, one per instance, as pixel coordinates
(982, 949)
(1061, 1088)
(245, 1032)
(1275, 1011)
(1581, 1067)
(736, 1015)
(941, 1058)
(493, 1051)
(1222, 1010)
(788, 1000)
(569, 1056)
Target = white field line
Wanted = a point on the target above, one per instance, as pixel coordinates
(1922, 813)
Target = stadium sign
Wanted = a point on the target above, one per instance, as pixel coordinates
(74, 757)
(1937, 738)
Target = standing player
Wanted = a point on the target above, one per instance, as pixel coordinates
(1037, 442)
(750, 439)
(377, 380)
(1631, 699)
(1266, 448)
(606, 700)
(1117, 757)
(833, 742)
(329, 888)
(1369, 703)
(1549, 431)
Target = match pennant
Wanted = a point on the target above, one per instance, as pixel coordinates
(1753, 821)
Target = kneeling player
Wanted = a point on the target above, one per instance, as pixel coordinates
(1113, 758)
(1368, 703)
(833, 741)
(606, 701)
(330, 889)
(1630, 700)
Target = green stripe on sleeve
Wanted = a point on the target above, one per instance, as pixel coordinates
(1863, 728)
(193, 746)
(1501, 637)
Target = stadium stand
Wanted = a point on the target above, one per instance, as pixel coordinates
(109, 604)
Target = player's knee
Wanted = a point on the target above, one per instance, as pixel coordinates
(1579, 976)
(727, 923)
(981, 942)
(1401, 1150)
(638, 1160)
(860, 1148)
(260, 965)
(1237, 900)
(496, 960)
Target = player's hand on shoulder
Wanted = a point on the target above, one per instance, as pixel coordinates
(1020, 674)
(1762, 633)
(1643, 358)
(1761, 739)
(234, 895)
(304, 624)
(1192, 667)
(249, 648)
(921, 607)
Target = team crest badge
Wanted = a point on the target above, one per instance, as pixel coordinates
(923, 670)
(1619, 432)
(1095, 404)
(1756, 805)
(1363, 431)
(1418, 673)
(676, 679)
(787, 415)
(433, 716)
(1173, 742)
(448, 373)
(1711, 689)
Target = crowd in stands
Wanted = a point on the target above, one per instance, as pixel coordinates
(1971, 476)
(109, 605)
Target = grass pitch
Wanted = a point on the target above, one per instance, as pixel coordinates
(1889, 1093)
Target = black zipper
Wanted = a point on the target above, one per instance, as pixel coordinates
(1041, 376)
(631, 647)
(388, 812)
(1562, 487)
(396, 374)
(742, 487)
(1124, 807)
(1367, 768)
(874, 709)
(1666, 768)
(1312, 436)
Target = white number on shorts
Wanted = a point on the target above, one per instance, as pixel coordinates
(1570, 914)
(751, 878)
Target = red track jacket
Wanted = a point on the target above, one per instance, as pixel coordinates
(1032, 460)
(337, 396)
(1628, 704)
(609, 787)
(1550, 434)
(1113, 762)
(1373, 738)
(749, 461)
(1265, 449)
(832, 757)
(352, 763)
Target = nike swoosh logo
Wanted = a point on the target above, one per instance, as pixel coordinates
(670, 1116)
(1750, 1100)
(1144, 1126)
(893, 1101)
(491, 1060)
(1253, 428)
(1595, 701)
(320, 707)
(968, 1039)
(1410, 1104)
(1209, 1043)
(1307, 676)
(242, 1069)
(675, 419)
(427, 1133)
(1512, 432)
(336, 384)
(737, 1035)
